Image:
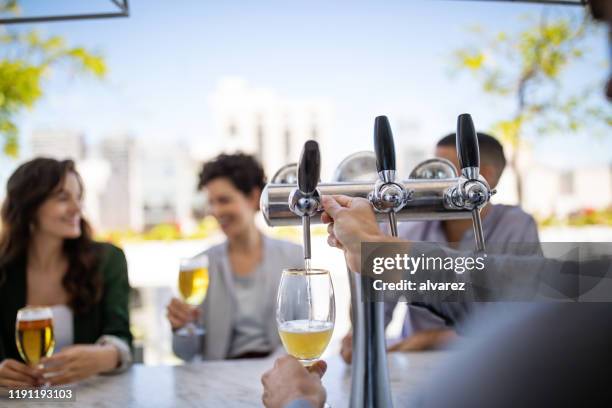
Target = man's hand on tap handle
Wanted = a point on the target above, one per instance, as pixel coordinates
(351, 221)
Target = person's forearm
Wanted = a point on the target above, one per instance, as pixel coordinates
(442, 338)
(123, 348)
(503, 274)
(108, 358)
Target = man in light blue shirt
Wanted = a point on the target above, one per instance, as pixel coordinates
(503, 225)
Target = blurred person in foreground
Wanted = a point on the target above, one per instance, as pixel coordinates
(48, 258)
(546, 355)
(238, 312)
(503, 225)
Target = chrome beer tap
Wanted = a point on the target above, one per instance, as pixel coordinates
(472, 191)
(388, 197)
(305, 200)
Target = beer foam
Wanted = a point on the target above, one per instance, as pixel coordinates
(196, 262)
(305, 326)
(30, 314)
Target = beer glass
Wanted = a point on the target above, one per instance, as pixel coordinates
(305, 312)
(34, 334)
(193, 285)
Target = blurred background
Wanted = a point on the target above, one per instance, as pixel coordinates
(140, 102)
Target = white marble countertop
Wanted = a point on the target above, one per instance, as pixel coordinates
(230, 384)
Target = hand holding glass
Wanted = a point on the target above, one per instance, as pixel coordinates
(193, 285)
(305, 312)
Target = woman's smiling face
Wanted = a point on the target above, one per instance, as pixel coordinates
(233, 209)
(60, 214)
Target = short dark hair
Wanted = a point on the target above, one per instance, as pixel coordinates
(243, 170)
(491, 151)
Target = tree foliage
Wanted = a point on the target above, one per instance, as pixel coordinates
(27, 60)
(528, 66)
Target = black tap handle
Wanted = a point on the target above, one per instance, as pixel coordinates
(467, 142)
(309, 167)
(383, 144)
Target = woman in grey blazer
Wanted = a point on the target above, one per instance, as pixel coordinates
(239, 311)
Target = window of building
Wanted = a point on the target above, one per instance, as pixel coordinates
(287, 136)
(314, 133)
(259, 134)
(232, 129)
(567, 183)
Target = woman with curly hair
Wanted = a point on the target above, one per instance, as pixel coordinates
(48, 259)
(238, 312)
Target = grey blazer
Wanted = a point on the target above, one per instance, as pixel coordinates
(219, 308)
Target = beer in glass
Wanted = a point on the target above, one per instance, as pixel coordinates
(193, 285)
(34, 334)
(193, 280)
(305, 312)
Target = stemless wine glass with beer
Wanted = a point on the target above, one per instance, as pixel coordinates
(34, 334)
(305, 312)
(193, 285)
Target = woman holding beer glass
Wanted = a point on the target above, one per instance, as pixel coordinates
(59, 290)
(238, 314)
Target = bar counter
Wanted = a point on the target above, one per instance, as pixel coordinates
(230, 384)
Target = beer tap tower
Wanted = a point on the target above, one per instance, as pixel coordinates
(433, 191)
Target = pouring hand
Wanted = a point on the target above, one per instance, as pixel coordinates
(351, 222)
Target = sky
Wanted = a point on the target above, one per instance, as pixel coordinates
(366, 57)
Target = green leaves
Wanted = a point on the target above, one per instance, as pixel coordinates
(528, 65)
(19, 85)
(88, 62)
(471, 59)
(9, 6)
(19, 88)
(23, 71)
(509, 130)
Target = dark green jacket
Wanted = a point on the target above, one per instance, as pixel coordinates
(110, 316)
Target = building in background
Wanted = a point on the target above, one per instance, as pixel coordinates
(95, 173)
(562, 192)
(136, 183)
(121, 201)
(71, 144)
(168, 176)
(412, 147)
(130, 183)
(261, 122)
(58, 144)
(556, 191)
